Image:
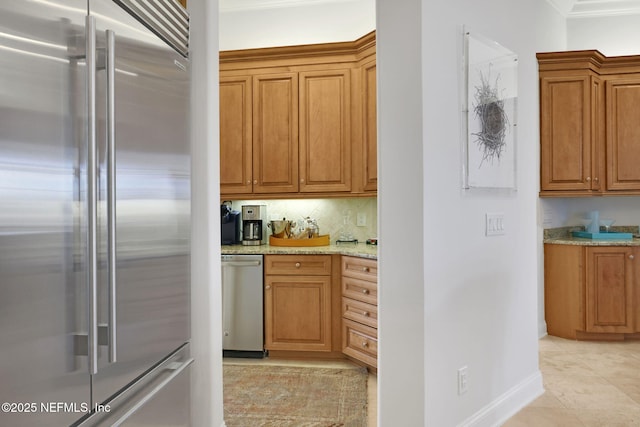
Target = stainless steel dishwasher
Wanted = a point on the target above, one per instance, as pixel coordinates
(242, 306)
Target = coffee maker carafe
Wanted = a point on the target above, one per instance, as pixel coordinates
(254, 230)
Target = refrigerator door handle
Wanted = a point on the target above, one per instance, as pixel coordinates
(111, 193)
(92, 201)
(177, 370)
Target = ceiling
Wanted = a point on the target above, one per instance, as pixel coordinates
(569, 8)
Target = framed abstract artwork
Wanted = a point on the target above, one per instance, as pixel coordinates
(489, 98)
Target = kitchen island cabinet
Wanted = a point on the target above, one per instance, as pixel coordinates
(592, 292)
(298, 121)
(589, 132)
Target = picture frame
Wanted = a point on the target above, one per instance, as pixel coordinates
(489, 113)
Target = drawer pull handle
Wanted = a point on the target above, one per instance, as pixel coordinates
(267, 287)
(297, 265)
(365, 313)
(365, 269)
(364, 344)
(365, 291)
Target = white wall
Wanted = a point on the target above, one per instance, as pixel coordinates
(206, 290)
(480, 292)
(401, 293)
(345, 20)
(611, 35)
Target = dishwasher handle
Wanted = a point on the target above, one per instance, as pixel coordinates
(241, 263)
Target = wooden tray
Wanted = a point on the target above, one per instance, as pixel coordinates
(322, 240)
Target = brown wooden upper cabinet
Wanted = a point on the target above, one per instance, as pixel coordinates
(299, 121)
(589, 127)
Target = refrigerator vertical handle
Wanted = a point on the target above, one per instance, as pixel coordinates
(92, 198)
(111, 193)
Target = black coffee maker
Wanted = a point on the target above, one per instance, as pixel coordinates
(230, 223)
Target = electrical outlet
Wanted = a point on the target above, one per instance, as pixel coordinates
(463, 383)
(494, 224)
(361, 219)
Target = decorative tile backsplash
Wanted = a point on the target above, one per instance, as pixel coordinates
(330, 214)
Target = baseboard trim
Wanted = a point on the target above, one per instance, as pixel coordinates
(542, 329)
(508, 404)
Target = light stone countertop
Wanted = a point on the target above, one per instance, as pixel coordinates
(562, 236)
(577, 241)
(360, 250)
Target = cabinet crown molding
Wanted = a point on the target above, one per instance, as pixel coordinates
(592, 60)
(354, 49)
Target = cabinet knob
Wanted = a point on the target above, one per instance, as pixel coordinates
(255, 181)
(596, 179)
(365, 291)
(588, 179)
(297, 265)
(248, 182)
(302, 180)
(364, 344)
(365, 269)
(267, 287)
(631, 257)
(365, 313)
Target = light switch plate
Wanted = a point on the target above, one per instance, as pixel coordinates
(495, 224)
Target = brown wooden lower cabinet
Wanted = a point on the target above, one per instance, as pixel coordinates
(321, 306)
(592, 292)
(301, 305)
(360, 342)
(360, 309)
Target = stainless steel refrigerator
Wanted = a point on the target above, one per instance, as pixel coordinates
(94, 213)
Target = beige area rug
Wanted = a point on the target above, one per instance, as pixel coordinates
(293, 396)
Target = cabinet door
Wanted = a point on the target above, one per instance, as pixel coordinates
(609, 289)
(298, 313)
(275, 133)
(325, 131)
(570, 117)
(235, 135)
(623, 134)
(370, 126)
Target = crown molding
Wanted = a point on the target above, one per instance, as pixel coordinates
(562, 6)
(595, 8)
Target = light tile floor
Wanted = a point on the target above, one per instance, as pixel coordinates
(586, 384)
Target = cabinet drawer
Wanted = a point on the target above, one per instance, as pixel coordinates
(360, 290)
(360, 268)
(308, 265)
(360, 342)
(360, 312)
